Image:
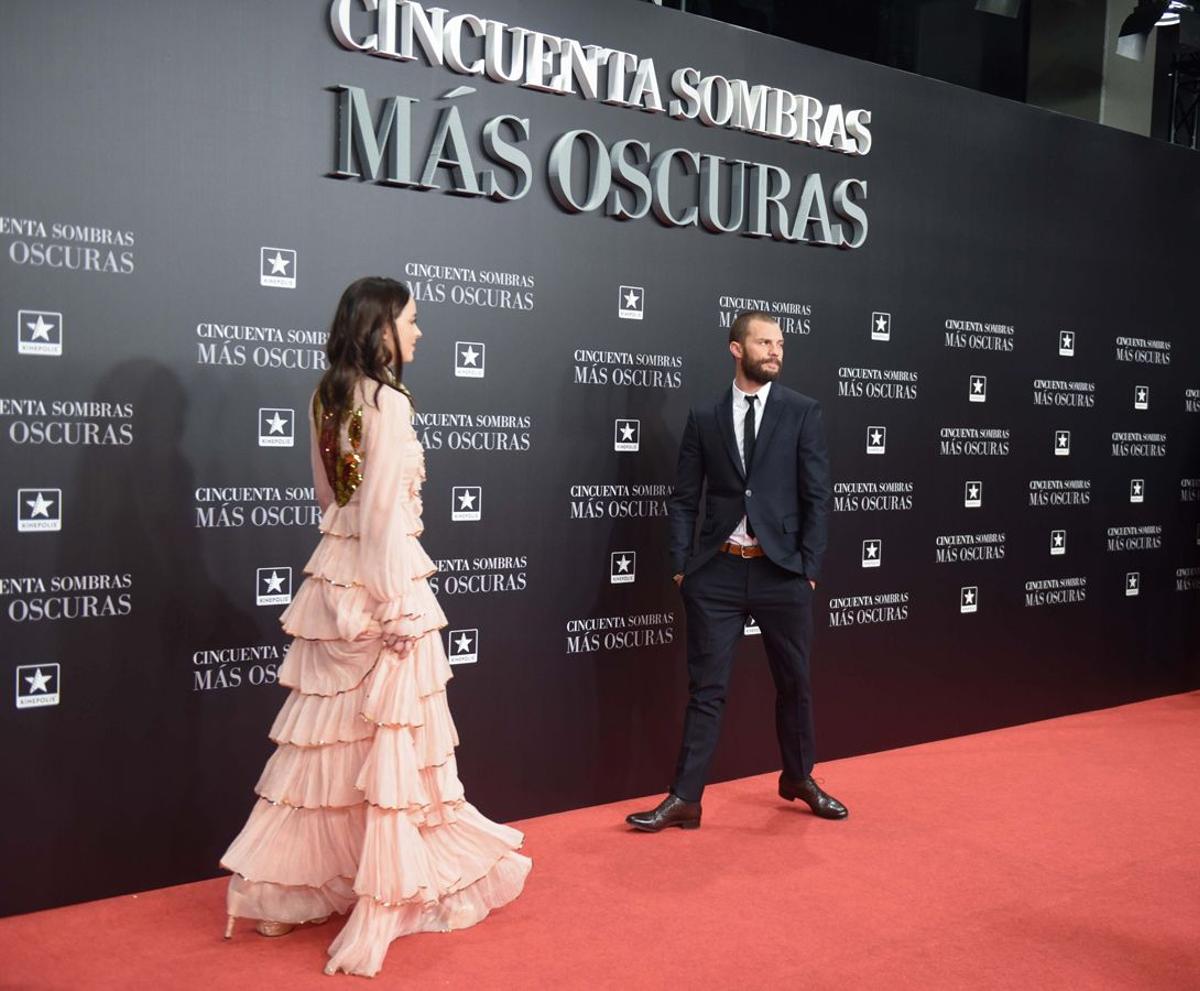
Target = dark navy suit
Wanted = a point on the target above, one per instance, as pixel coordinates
(786, 500)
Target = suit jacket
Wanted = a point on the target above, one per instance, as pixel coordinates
(786, 496)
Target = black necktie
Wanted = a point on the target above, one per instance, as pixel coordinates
(748, 449)
(748, 439)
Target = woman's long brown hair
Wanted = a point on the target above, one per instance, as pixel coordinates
(366, 313)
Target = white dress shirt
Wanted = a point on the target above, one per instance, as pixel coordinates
(740, 407)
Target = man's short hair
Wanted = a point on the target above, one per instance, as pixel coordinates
(742, 322)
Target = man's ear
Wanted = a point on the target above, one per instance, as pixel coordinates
(735, 349)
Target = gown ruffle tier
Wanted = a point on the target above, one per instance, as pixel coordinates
(360, 808)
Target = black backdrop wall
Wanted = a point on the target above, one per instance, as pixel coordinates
(173, 245)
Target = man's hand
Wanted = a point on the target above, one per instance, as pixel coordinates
(678, 579)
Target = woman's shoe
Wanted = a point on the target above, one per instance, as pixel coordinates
(268, 928)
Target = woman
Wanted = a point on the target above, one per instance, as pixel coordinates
(360, 807)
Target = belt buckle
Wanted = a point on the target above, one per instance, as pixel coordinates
(742, 548)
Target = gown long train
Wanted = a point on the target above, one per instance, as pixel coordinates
(360, 808)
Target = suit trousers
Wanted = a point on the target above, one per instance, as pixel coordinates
(717, 599)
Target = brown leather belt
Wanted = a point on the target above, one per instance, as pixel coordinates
(740, 551)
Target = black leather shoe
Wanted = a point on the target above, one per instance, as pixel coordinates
(671, 811)
(823, 805)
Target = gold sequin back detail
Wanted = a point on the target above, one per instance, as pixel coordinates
(343, 468)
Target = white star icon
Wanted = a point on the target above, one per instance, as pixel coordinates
(279, 264)
(623, 564)
(1062, 440)
(466, 500)
(39, 506)
(1137, 488)
(880, 323)
(38, 682)
(872, 550)
(968, 597)
(876, 437)
(469, 356)
(41, 329)
(627, 432)
(977, 385)
(1133, 580)
(463, 644)
(275, 582)
(631, 300)
(277, 423)
(973, 492)
(1141, 395)
(1059, 540)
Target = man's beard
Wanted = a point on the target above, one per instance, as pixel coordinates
(756, 371)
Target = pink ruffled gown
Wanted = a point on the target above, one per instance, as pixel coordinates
(360, 808)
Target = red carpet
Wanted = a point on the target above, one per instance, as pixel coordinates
(1058, 854)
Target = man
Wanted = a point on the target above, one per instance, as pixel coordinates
(759, 461)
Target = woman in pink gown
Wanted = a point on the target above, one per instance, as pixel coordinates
(360, 808)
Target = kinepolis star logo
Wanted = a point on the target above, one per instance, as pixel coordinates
(1137, 490)
(36, 599)
(463, 286)
(876, 440)
(973, 495)
(872, 553)
(968, 599)
(1062, 443)
(881, 326)
(977, 390)
(469, 358)
(1133, 583)
(274, 586)
(37, 685)
(1066, 344)
(1058, 543)
(39, 332)
(974, 335)
(277, 268)
(627, 435)
(864, 610)
(1141, 397)
(464, 646)
(39, 510)
(632, 303)
(276, 427)
(622, 568)
(466, 504)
